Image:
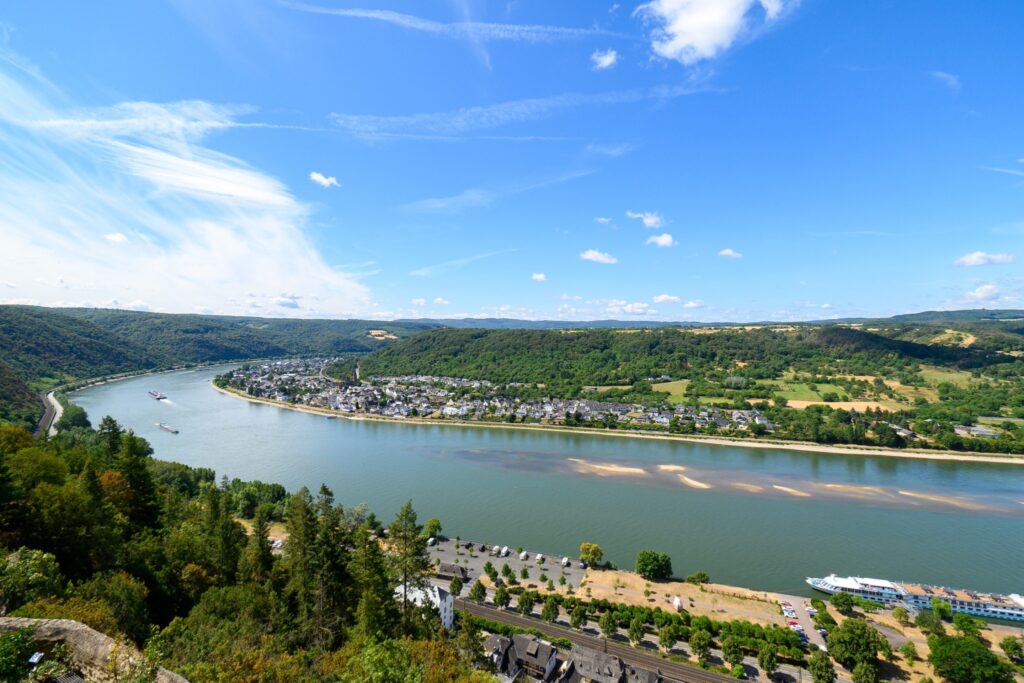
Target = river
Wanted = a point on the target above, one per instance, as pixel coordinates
(761, 518)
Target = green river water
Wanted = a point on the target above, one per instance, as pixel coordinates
(762, 518)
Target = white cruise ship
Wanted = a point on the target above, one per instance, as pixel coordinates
(988, 605)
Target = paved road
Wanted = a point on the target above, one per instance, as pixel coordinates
(50, 416)
(669, 669)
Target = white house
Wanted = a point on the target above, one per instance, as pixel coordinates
(438, 598)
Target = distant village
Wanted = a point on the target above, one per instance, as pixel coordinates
(425, 396)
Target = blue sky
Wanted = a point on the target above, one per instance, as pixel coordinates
(679, 159)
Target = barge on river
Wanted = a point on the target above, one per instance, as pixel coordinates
(920, 596)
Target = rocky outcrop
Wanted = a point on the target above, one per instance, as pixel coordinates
(97, 655)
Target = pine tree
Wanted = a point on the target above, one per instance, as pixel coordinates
(409, 556)
(377, 612)
(258, 558)
(133, 463)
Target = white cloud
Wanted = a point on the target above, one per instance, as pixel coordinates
(982, 258)
(603, 220)
(205, 227)
(730, 253)
(982, 293)
(115, 237)
(418, 301)
(598, 256)
(690, 31)
(571, 297)
(323, 180)
(662, 240)
(624, 307)
(651, 219)
(696, 303)
(539, 277)
(604, 59)
(666, 299)
(441, 301)
(475, 31)
(951, 81)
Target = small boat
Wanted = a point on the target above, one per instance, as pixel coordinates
(157, 395)
(166, 427)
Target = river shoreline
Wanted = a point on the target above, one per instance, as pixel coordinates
(1007, 459)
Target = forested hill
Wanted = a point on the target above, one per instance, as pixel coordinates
(614, 357)
(43, 347)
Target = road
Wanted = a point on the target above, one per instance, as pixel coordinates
(50, 416)
(669, 669)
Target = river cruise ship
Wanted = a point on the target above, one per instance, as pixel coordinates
(987, 605)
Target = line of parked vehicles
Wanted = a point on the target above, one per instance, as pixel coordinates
(505, 551)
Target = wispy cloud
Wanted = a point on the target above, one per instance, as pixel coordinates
(598, 257)
(730, 253)
(983, 258)
(454, 264)
(1005, 171)
(650, 219)
(467, 198)
(609, 150)
(468, 119)
(206, 228)
(478, 197)
(662, 240)
(460, 30)
(441, 301)
(603, 220)
(695, 303)
(666, 299)
(418, 301)
(539, 277)
(691, 31)
(323, 180)
(951, 81)
(604, 59)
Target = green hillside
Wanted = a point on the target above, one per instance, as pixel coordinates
(43, 347)
(616, 357)
(18, 403)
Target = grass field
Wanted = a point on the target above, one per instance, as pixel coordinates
(934, 375)
(676, 390)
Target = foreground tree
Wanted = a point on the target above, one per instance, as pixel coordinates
(591, 553)
(843, 602)
(732, 651)
(767, 660)
(820, 666)
(966, 660)
(700, 643)
(668, 636)
(653, 566)
(607, 625)
(854, 642)
(636, 631)
(477, 592)
(409, 556)
(377, 612)
(578, 617)
(549, 613)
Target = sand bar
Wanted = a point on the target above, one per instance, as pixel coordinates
(693, 483)
(607, 469)
(790, 491)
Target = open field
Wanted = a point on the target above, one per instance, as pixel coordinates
(676, 390)
(934, 375)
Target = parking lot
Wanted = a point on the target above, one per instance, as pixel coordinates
(473, 560)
